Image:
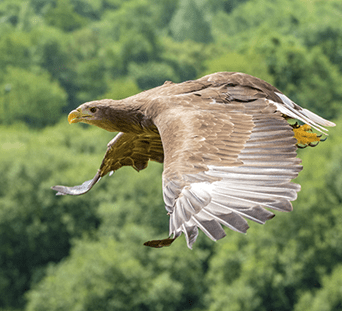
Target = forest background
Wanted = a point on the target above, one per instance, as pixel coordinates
(87, 253)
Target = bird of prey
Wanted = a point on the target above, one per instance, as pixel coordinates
(228, 150)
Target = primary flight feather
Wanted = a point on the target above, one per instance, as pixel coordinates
(228, 151)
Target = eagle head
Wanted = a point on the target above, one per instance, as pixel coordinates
(94, 113)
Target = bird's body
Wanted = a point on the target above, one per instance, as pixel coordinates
(227, 148)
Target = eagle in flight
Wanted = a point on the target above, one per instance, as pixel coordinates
(226, 144)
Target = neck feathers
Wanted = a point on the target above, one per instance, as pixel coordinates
(125, 116)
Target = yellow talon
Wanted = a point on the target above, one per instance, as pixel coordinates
(304, 135)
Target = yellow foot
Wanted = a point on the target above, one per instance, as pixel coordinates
(305, 137)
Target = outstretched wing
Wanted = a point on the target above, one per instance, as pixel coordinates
(225, 162)
(125, 149)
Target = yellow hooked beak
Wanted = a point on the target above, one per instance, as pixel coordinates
(74, 116)
(77, 116)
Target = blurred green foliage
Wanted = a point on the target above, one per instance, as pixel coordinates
(189, 23)
(86, 253)
(31, 97)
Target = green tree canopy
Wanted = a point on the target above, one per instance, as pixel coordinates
(31, 97)
(189, 23)
(63, 16)
(327, 298)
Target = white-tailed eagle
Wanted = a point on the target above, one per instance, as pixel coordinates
(227, 147)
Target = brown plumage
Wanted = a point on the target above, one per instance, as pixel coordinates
(227, 148)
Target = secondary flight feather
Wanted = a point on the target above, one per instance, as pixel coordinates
(228, 150)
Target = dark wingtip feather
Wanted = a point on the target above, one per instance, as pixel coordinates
(160, 243)
(77, 190)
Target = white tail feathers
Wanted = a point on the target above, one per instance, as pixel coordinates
(292, 110)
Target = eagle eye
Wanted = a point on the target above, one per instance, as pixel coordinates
(93, 109)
